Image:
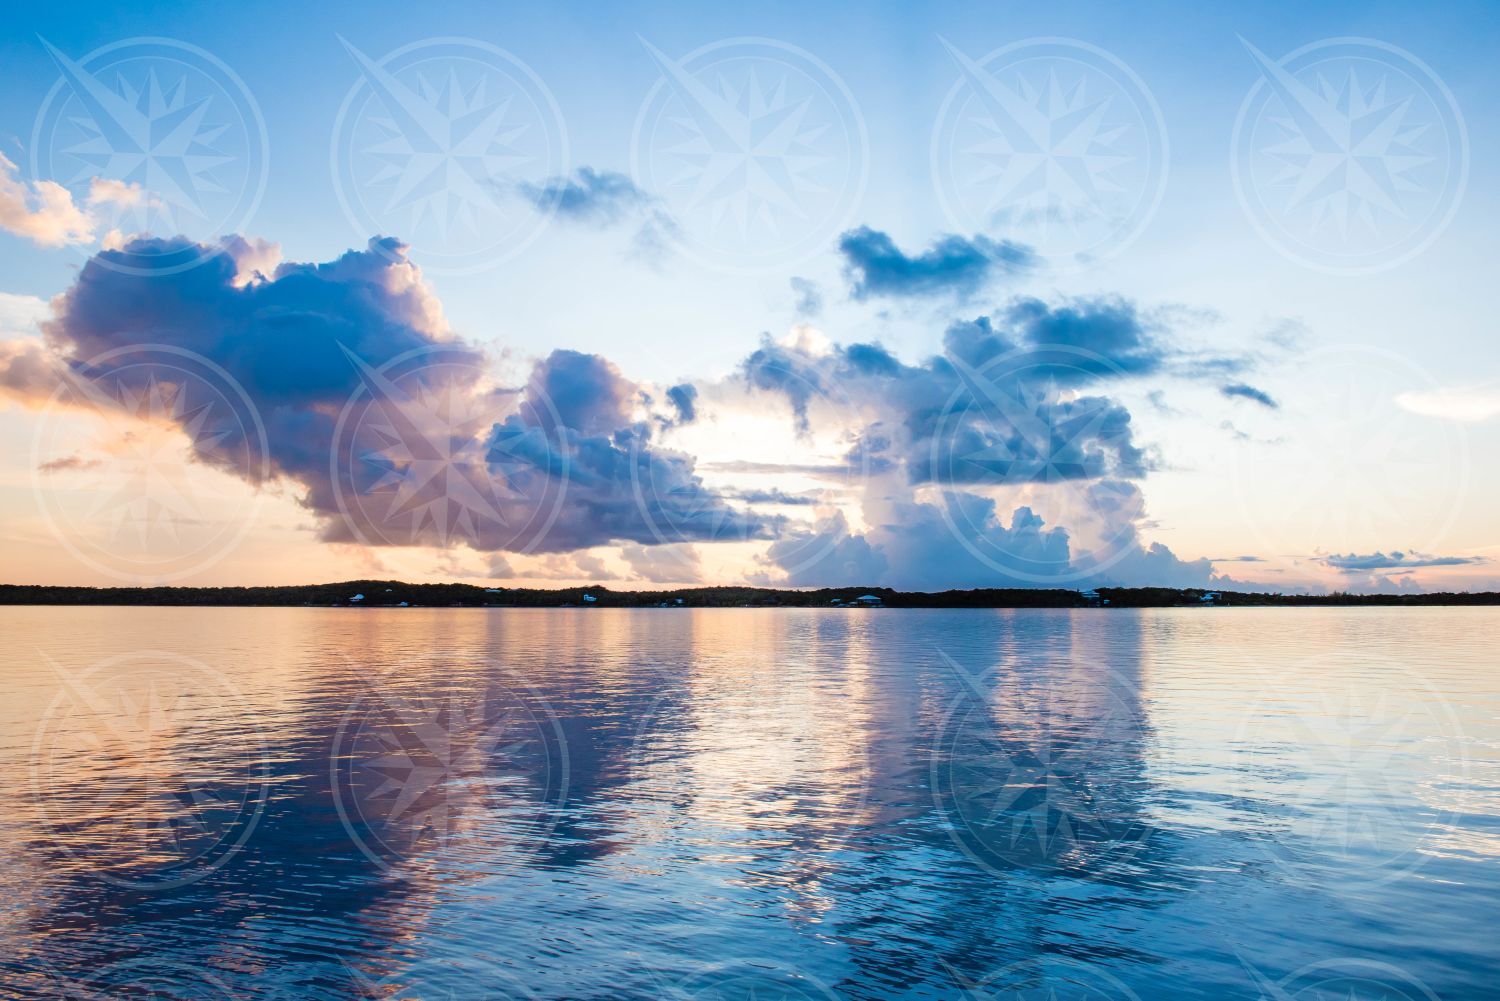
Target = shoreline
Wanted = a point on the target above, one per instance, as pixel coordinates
(399, 594)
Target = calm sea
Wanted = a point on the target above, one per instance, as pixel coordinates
(739, 803)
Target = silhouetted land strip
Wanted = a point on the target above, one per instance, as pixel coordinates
(388, 593)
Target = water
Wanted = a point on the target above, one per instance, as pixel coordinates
(737, 803)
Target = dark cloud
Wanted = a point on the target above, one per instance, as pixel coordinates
(684, 400)
(1240, 390)
(953, 265)
(1018, 400)
(553, 465)
(1395, 560)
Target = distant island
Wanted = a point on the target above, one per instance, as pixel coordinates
(398, 594)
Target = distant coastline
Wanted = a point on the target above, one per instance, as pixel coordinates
(397, 594)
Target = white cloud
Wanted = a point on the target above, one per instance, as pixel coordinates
(1470, 405)
(45, 213)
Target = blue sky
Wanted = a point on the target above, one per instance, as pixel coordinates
(638, 284)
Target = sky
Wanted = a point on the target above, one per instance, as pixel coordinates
(646, 295)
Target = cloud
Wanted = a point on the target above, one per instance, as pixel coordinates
(953, 265)
(45, 212)
(1395, 560)
(1016, 405)
(42, 211)
(668, 564)
(809, 301)
(1469, 405)
(684, 401)
(587, 195)
(1240, 390)
(604, 198)
(561, 454)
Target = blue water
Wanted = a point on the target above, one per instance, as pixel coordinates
(740, 803)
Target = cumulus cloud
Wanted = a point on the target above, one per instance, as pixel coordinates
(1243, 391)
(952, 265)
(560, 454)
(1017, 405)
(45, 212)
